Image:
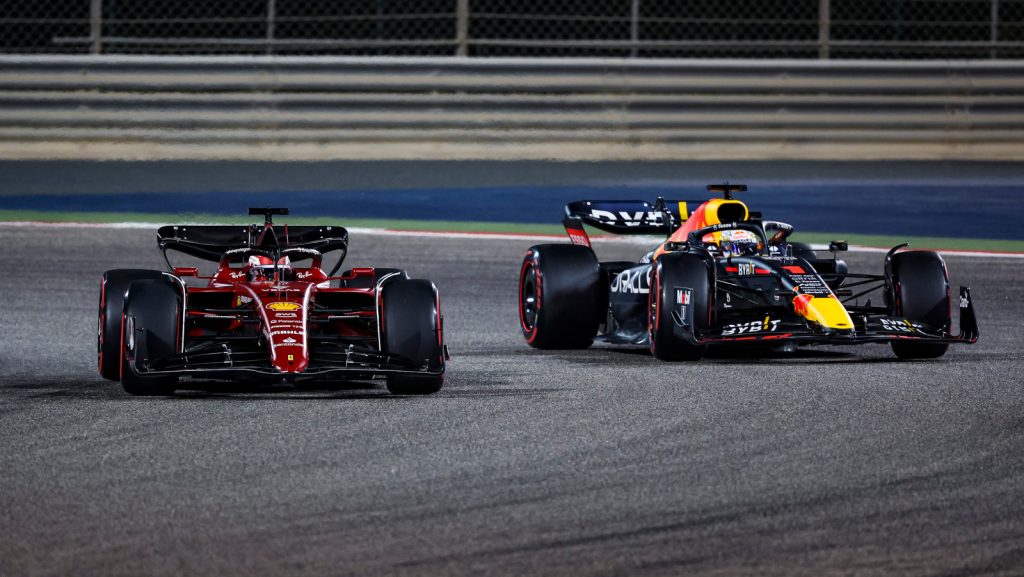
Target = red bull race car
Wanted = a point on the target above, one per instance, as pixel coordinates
(269, 313)
(726, 276)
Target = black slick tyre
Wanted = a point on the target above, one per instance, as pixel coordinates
(113, 285)
(559, 294)
(151, 329)
(412, 328)
(920, 292)
(675, 278)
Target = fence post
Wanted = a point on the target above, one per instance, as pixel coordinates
(994, 28)
(271, 22)
(462, 28)
(96, 26)
(634, 27)
(824, 27)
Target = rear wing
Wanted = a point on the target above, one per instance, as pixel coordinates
(636, 216)
(625, 217)
(629, 216)
(210, 242)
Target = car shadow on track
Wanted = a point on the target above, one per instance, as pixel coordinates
(803, 356)
(353, 393)
(628, 356)
(459, 385)
(465, 386)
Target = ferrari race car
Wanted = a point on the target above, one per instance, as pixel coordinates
(725, 276)
(270, 313)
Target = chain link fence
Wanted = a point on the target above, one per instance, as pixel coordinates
(887, 29)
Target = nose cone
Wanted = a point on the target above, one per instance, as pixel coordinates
(287, 335)
(290, 359)
(827, 312)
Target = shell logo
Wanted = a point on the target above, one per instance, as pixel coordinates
(284, 306)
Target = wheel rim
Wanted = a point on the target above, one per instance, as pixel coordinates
(528, 299)
(129, 333)
(652, 306)
(102, 320)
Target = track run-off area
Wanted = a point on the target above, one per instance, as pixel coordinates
(948, 205)
(827, 461)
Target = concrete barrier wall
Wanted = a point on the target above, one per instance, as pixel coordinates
(278, 108)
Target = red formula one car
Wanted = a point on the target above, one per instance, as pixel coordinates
(270, 313)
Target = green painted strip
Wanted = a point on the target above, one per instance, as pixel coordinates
(496, 227)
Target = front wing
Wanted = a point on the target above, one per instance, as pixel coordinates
(875, 328)
(220, 361)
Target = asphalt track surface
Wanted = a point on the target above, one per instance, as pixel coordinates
(605, 462)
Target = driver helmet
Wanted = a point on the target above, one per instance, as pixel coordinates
(262, 268)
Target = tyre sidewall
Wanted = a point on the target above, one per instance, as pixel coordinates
(919, 291)
(671, 273)
(920, 286)
(412, 328)
(113, 286)
(568, 296)
(152, 309)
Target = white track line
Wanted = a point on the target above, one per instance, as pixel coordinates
(647, 241)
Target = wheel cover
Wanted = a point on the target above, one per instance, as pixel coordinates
(528, 302)
(102, 321)
(129, 333)
(652, 305)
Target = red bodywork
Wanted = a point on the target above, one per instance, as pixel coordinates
(270, 311)
(289, 313)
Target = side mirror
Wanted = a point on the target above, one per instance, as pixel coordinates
(838, 246)
(186, 271)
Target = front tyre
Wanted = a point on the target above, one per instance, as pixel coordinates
(113, 285)
(680, 306)
(920, 292)
(151, 329)
(412, 328)
(559, 293)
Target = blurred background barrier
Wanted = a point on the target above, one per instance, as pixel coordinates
(578, 79)
(888, 29)
(358, 107)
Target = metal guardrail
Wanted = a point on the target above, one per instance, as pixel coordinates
(838, 29)
(270, 107)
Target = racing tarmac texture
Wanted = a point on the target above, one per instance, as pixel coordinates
(827, 461)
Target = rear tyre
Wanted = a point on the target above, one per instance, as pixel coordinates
(803, 250)
(676, 277)
(413, 329)
(113, 285)
(834, 270)
(920, 292)
(152, 321)
(559, 294)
